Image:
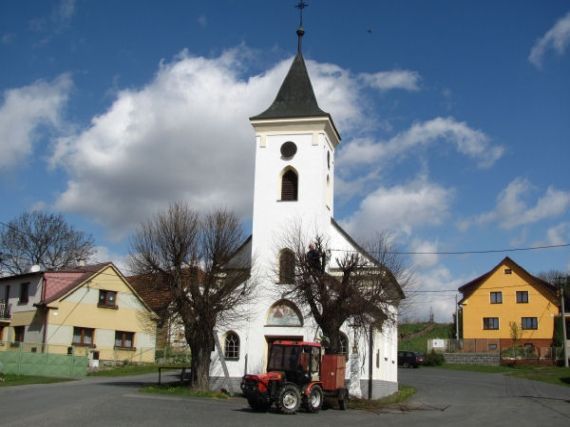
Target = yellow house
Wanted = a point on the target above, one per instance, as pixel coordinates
(89, 310)
(504, 298)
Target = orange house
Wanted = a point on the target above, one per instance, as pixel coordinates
(506, 296)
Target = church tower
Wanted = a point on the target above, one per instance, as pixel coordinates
(294, 164)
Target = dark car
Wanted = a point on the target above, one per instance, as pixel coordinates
(409, 359)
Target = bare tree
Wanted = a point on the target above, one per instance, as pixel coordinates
(45, 239)
(355, 287)
(194, 256)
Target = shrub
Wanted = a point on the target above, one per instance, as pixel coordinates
(433, 359)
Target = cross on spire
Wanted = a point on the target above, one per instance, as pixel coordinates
(300, 31)
(301, 5)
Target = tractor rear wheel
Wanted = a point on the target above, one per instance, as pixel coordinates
(289, 399)
(343, 399)
(314, 401)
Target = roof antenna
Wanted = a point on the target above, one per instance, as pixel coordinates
(300, 31)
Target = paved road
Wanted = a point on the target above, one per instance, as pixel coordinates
(443, 398)
(454, 397)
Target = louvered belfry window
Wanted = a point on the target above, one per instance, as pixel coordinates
(289, 185)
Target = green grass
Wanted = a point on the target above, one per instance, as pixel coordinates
(182, 390)
(12, 380)
(121, 371)
(419, 343)
(404, 393)
(547, 374)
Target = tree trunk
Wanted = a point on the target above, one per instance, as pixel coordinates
(333, 335)
(201, 345)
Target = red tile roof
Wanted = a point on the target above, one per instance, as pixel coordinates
(60, 282)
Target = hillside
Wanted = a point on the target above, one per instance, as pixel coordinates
(414, 336)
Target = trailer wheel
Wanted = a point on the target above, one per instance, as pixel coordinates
(289, 399)
(314, 401)
(343, 399)
(258, 404)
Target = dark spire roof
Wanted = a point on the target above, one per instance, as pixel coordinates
(296, 97)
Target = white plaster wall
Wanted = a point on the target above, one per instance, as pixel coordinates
(60, 334)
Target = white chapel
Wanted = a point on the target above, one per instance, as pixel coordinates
(295, 144)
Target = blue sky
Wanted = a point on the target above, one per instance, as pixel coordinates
(454, 117)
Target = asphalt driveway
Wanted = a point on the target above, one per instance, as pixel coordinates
(444, 398)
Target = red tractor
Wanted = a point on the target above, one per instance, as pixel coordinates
(297, 374)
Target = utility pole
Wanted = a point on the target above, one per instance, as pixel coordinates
(563, 314)
(456, 319)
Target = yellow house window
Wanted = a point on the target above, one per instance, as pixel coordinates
(529, 323)
(124, 340)
(83, 337)
(107, 299)
(490, 323)
(496, 297)
(522, 297)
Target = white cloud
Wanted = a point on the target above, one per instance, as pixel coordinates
(23, 111)
(64, 11)
(513, 210)
(558, 234)
(183, 136)
(442, 304)
(557, 38)
(394, 79)
(338, 93)
(468, 141)
(202, 21)
(425, 256)
(103, 254)
(401, 208)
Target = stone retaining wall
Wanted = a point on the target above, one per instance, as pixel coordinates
(492, 359)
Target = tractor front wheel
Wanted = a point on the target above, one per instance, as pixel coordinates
(258, 404)
(314, 401)
(289, 399)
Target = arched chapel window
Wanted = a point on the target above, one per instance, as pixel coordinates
(286, 266)
(231, 346)
(289, 185)
(284, 313)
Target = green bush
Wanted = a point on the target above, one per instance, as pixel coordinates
(433, 359)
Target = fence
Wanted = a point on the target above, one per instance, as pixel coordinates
(19, 360)
(539, 351)
(94, 357)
